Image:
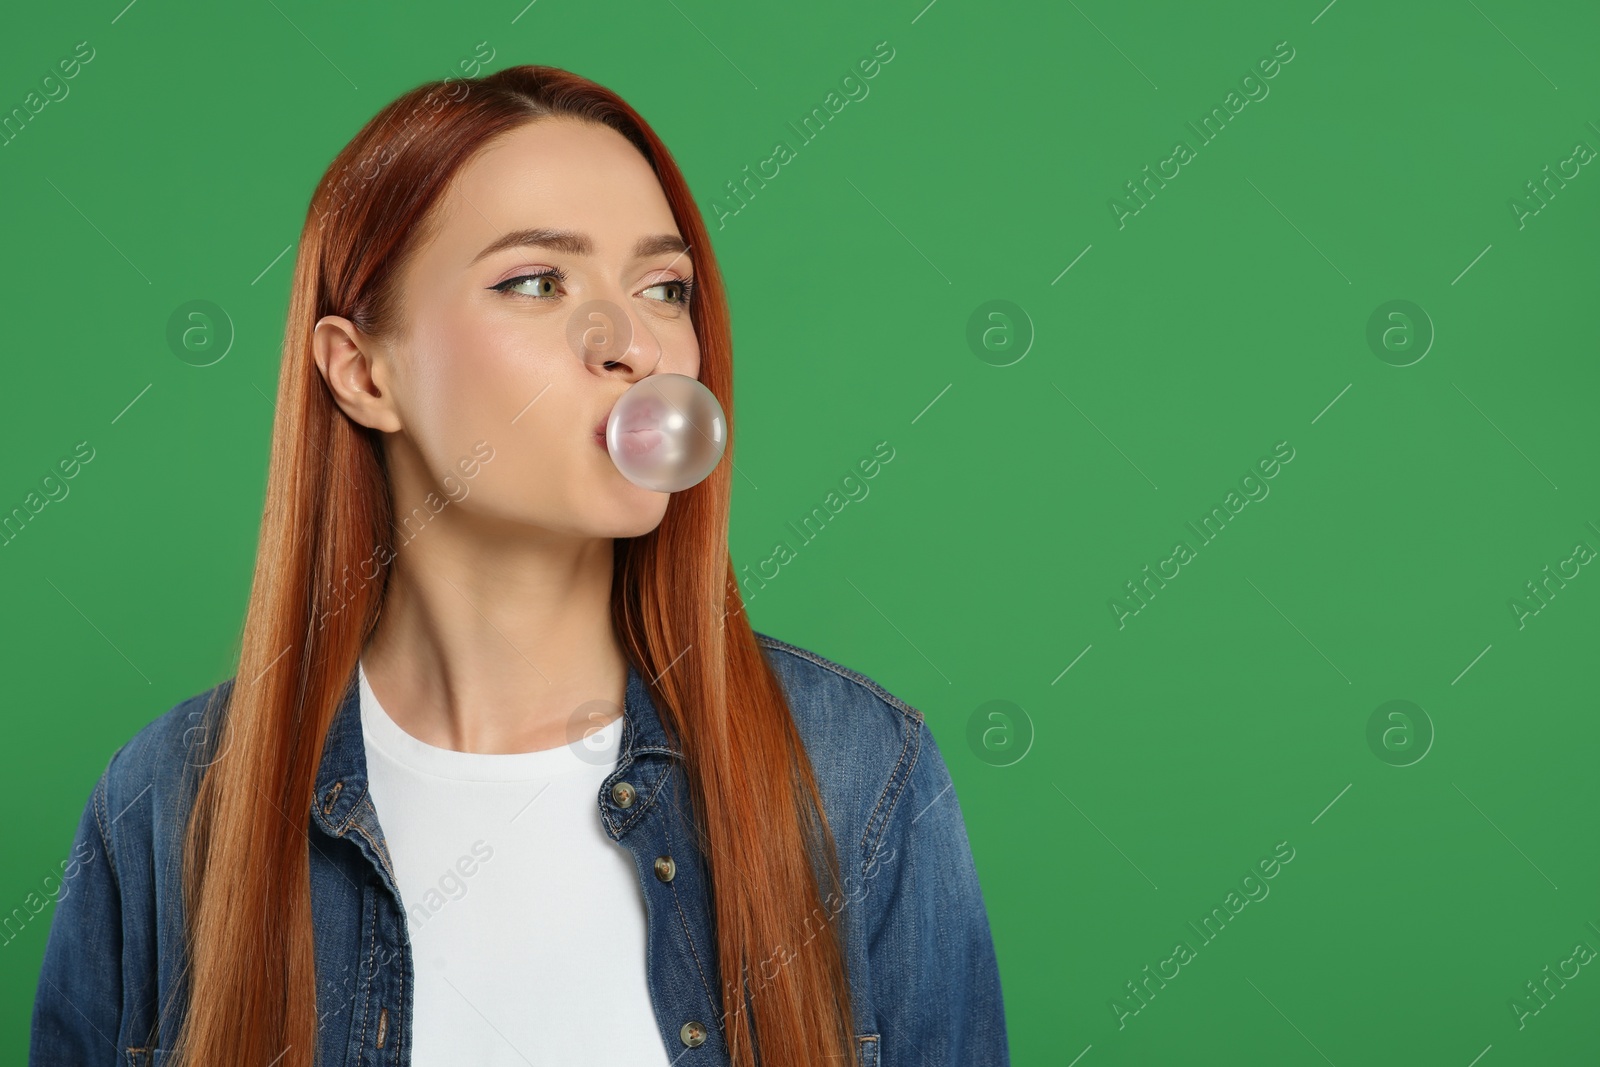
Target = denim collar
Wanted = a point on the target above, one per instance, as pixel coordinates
(644, 752)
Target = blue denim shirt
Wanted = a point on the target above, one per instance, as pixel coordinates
(922, 965)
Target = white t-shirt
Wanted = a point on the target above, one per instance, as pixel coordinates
(527, 922)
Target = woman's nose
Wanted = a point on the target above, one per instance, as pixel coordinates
(612, 342)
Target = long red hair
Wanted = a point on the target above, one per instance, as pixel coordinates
(251, 955)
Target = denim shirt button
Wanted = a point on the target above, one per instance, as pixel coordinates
(623, 794)
(693, 1033)
(665, 868)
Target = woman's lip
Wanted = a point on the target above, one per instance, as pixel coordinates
(634, 442)
(640, 442)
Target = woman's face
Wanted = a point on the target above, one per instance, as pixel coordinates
(554, 280)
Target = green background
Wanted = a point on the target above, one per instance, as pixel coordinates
(1231, 313)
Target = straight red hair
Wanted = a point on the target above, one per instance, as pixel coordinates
(251, 955)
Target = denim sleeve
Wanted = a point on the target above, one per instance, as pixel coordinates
(77, 1009)
(936, 982)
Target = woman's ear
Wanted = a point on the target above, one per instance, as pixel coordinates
(357, 370)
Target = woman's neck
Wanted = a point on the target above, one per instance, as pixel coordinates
(497, 644)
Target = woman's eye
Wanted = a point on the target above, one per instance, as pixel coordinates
(544, 285)
(678, 289)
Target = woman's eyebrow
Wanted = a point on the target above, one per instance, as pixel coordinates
(576, 244)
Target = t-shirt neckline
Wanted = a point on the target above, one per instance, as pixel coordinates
(596, 753)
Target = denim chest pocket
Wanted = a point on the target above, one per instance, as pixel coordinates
(147, 1057)
(866, 1050)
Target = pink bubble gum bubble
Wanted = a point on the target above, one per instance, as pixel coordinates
(666, 433)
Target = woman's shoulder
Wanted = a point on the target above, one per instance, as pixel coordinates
(870, 749)
(149, 781)
(834, 703)
(119, 909)
(820, 678)
(176, 737)
(914, 889)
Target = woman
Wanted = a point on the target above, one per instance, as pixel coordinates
(778, 867)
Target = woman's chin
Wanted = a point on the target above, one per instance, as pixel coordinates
(630, 512)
